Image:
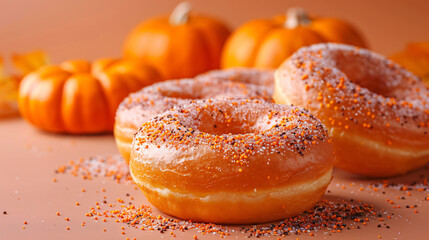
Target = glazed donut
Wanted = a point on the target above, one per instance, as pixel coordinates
(377, 113)
(139, 107)
(264, 77)
(232, 161)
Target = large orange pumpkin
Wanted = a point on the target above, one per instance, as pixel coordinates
(181, 45)
(266, 43)
(80, 97)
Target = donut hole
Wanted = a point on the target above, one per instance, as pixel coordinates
(221, 127)
(370, 73)
(180, 93)
(228, 119)
(227, 122)
(186, 89)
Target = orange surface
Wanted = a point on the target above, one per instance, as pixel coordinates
(89, 29)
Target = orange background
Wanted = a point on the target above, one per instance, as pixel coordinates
(91, 29)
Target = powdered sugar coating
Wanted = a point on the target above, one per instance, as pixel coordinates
(218, 122)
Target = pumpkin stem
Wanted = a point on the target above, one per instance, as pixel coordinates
(180, 14)
(296, 17)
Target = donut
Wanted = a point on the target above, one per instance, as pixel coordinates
(377, 113)
(139, 107)
(264, 77)
(232, 161)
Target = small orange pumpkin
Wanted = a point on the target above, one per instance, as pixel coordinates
(80, 97)
(179, 46)
(267, 43)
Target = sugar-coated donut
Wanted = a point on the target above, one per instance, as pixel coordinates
(377, 113)
(264, 77)
(232, 161)
(139, 107)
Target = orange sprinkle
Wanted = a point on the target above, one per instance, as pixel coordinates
(305, 76)
(306, 87)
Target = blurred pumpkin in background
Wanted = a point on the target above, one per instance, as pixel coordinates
(181, 45)
(80, 97)
(25, 63)
(266, 43)
(415, 58)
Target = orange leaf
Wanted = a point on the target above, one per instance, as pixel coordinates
(415, 58)
(29, 62)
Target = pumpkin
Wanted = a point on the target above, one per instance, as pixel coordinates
(267, 43)
(25, 63)
(415, 58)
(179, 46)
(80, 97)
